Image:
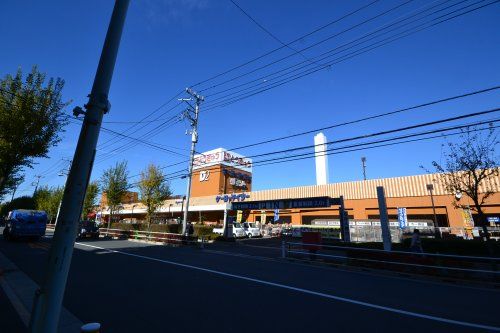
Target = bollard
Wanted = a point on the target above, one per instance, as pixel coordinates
(90, 328)
(283, 253)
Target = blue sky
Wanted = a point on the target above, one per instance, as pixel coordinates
(168, 45)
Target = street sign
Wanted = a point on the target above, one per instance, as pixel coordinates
(493, 219)
(402, 218)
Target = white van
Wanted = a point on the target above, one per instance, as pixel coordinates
(251, 229)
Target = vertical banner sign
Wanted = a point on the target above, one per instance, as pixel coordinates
(276, 215)
(402, 218)
(239, 215)
(263, 217)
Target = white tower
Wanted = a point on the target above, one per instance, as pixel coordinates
(320, 148)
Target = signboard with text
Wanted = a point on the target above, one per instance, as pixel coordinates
(316, 202)
(402, 217)
(222, 156)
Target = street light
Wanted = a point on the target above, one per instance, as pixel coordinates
(430, 188)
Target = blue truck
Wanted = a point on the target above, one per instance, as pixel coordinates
(23, 223)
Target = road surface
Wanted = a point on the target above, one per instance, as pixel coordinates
(136, 287)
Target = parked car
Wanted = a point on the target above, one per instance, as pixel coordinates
(286, 232)
(24, 223)
(251, 229)
(238, 231)
(88, 229)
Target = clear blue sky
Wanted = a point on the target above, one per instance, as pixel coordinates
(170, 44)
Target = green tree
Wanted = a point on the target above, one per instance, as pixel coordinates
(25, 202)
(471, 168)
(114, 185)
(154, 189)
(31, 121)
(48, 199)
(90, 198)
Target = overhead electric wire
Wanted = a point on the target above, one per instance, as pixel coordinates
(397, 21)
(310, 46)
(146, 117)
(267, 31)
(447, 99)
(401, 137)
(364, 136)
(344, 58)
(289, 43)
(348, 149)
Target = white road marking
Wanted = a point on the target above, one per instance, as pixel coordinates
(307, 291)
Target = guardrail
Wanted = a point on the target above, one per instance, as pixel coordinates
(151, 236)
(465, 267)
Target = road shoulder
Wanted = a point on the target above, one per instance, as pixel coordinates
(20, 289)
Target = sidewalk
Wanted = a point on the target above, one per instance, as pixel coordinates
(16, 299)
(11, 321)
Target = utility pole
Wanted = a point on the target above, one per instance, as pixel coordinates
(36, 184)
(363, 162)
(430, 188)
(63, 172)
(48, 299)
(192, 114)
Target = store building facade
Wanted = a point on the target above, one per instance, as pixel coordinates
(221, 177)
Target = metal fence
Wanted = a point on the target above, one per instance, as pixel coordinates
(463, 267)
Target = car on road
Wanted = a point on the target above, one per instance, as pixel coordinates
(24, 223)
(251, 229)
(88, 229)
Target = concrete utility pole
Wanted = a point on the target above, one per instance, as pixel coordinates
(36, 184)
(48, 299)
(192, 114)
(363, 162)
(384, 219)
(430, 188)
(64, 172)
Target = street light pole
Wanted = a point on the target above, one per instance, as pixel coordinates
(194, 139)
(48, 299)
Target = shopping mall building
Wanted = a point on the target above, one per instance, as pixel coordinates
(221, 178)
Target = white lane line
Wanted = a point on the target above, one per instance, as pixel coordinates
(307, 291)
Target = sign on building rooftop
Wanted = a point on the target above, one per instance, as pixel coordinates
(222, 156)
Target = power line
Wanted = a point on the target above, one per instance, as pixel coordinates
(289, 43)
(265, 78)
(345, 57)
(380, 115)
(353, 148)
(364, 136)
(270, 33)
(311, 46)
(406, 136)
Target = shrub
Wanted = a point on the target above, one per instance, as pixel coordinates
(202, 230)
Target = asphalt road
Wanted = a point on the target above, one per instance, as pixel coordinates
(129, 287)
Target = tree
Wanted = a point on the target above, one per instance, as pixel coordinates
(31, 121)
(48, 199)
(90, 198)
(25, 202)
(154, 190)
(471, 168)
(114, 185)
